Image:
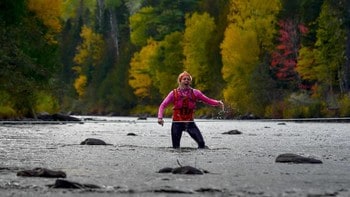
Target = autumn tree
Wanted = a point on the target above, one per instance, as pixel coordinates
(248, 39)
(322, 64)
(158, 18)
(284, 58)
(199, 30)
(168, 63)
(89, 54)
(140, 74)
(28, 55)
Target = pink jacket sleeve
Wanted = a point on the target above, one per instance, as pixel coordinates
(168, 99)
(200, 96)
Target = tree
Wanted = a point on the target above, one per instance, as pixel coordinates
(248, 40)
(284, 58)
(199, 30)
(28, 59)
(89, 54)
(140, 76)
(167, 63)
(323, 63)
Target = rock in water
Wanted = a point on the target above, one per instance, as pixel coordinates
(186, 170)
(42, 172)
(294, 158)
(165, 170)
(93, 141)
(60, 183)
(232, 132)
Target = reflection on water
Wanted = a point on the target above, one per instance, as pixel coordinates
(239, 164)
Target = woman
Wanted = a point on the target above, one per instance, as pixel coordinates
(184, 99)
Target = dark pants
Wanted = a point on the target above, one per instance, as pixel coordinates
(176, 132)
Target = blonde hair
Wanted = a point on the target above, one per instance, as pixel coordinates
(181, 75)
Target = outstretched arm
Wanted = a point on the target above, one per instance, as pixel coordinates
(200, 96)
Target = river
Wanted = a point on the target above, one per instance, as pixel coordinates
(238, 165)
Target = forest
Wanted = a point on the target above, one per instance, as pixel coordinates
(266, 58)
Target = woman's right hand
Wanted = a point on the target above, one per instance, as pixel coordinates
(160, 121)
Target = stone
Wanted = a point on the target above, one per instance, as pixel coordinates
(165, 170)
(93, 141)
(42, 172)
(65, 184)
(232, 132)
(182, 170)
(187, 170)
(57, 117)
(294, 158)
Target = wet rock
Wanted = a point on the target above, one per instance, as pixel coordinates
(143, 117)
(232, 132)
(165, 170)
(42, 172)
(93, 141)
(171, 190)
(57, 117)
(65, 184)
(182, 170)
(211, 190)
(186, 170)
(294, 158)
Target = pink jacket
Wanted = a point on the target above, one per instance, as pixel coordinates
(187, 92)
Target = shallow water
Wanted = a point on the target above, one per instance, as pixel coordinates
(239, 165)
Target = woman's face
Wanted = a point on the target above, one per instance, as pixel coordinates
(185, 81)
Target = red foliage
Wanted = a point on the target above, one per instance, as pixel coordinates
(284, 58)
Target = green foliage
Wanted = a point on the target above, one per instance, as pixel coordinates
(199, 30)
(146, 110)
(344, 106)
(323, 63)
(46, 103)
(142, 25)
(6, 112)
(225, 45)
(167, 63)
(12, 12)
(302, 105)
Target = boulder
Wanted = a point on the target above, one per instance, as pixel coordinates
(232, 132)
(294, 158)
(187, 170)
(165, 170)
(65, 184)
(93, 141)
(57, 117)
(42, 172)
(182, 170)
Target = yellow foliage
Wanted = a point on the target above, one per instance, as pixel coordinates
(256, 15)
(235, 51)
(77, 69)
(91, 49)
(249, 34)
(48, 11)
(139, 72)
(306, 62)
(199, 30)
(80, 85)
